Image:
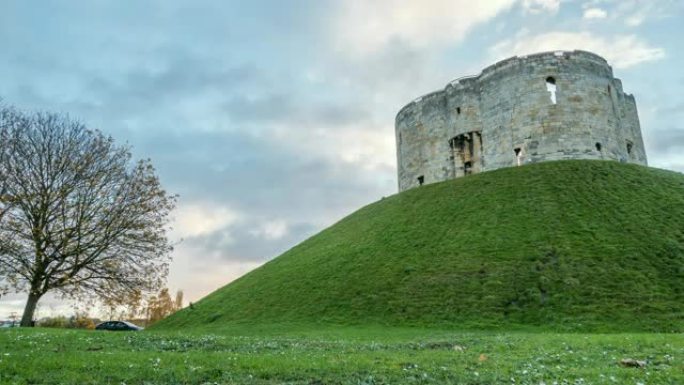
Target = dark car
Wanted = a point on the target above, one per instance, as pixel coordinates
(118, 326)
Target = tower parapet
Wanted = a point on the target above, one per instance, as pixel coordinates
(525, 109)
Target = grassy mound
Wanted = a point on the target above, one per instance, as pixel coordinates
(569, 245)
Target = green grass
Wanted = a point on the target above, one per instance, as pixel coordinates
(473, 281)
(336, 356)
(559, 246)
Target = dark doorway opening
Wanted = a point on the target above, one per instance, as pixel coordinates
(466, 152)
(518, 156)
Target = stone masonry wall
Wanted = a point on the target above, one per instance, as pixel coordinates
(505, 116)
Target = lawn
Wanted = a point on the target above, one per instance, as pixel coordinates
(345, 355)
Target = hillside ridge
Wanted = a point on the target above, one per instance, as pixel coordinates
(566, 245)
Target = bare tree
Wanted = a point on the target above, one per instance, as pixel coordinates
(78, 216)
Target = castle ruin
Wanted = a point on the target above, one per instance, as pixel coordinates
(525, 109)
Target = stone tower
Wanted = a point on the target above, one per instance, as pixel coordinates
(526, 109)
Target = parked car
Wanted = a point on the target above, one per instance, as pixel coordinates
(118, 326)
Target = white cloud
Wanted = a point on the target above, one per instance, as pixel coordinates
(195, 219)
(370, 147)
(271, 230)
(635, 20)
(637, 12)
(366, 26)
(539, 6)
(12, 305)
(198, 273)
(634, 13)
(621, 51)
(49, 305)
(595, 13)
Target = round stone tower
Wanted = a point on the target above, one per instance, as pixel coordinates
(526, 109)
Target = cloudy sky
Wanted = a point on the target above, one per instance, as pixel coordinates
(274, 119)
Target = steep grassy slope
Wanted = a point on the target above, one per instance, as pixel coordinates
(570, 245)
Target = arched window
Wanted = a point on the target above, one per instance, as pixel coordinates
(551, 87)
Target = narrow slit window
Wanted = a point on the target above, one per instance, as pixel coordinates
(421, 180)
(598, 147)
(629, 148)
(458, 110)
(551, 88)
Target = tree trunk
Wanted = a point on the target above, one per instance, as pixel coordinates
(27, 318)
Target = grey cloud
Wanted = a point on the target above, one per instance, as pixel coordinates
(207, 152)
(230, 165)
(677, 166)
(260, 175)
(263, 181)
(153, 97)
(398, 67)
(290, 108)
(200, 101)
(239, 243)
(185, 77)
(665, 141)
(673, 110)
(148, 92)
